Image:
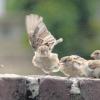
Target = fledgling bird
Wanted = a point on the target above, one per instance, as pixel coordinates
(94, 65)
(96, 55)
(43, 42)
(75, 65)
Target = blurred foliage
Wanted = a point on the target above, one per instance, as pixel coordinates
(25, 41)
(74, 20)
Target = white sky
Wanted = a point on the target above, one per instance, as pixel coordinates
(2, 7)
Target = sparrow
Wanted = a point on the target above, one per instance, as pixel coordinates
(95, 54)
(94, 65)
(43, 42)
(73, 65)
(69, 66)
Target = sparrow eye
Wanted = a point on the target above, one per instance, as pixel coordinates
(64, 60)
(97, 53)
(69, 60)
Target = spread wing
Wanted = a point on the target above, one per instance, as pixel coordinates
(38, 32)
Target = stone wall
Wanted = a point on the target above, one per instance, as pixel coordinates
(15, 87)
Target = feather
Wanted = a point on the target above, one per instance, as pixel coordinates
(38, 33)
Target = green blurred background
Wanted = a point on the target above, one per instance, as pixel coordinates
(76, 21)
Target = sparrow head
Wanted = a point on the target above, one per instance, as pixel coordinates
(66, 61)
(95, 54)
(72, 61)
(74, 57)
(94, 64)
(91, 65)
(43, 50)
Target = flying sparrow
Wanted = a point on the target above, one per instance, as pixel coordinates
(43, 42)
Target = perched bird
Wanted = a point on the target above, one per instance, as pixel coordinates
(95, 54)
(73, 65)
(94, 65)
(43, 42)
(70, 66)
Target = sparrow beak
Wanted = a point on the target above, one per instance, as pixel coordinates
(61, 63)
